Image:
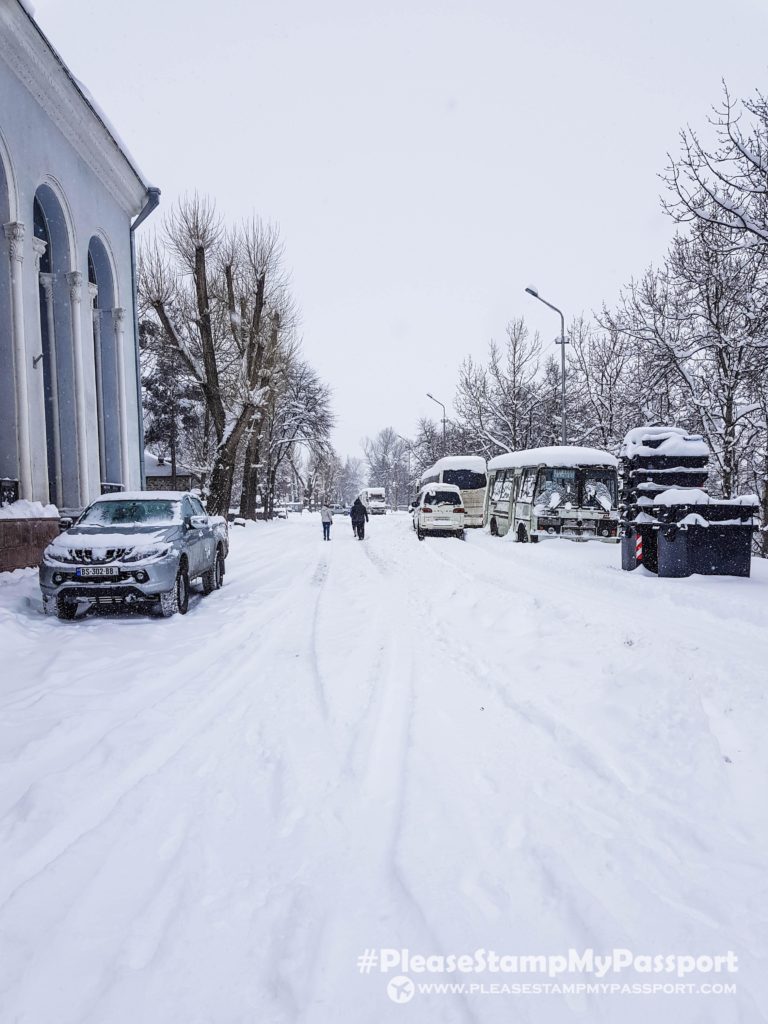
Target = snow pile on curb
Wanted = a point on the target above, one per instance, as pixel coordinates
(24, 509)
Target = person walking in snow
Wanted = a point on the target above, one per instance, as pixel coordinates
(359, 516)
(326, 517)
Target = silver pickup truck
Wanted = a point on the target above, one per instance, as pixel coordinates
(140, 548)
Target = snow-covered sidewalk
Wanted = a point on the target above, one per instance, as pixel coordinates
(436, 746)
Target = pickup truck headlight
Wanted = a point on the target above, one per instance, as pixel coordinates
(56, 556)
(146, 554)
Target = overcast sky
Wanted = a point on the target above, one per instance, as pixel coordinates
(425, 159)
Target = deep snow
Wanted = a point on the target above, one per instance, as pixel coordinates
(439, 746)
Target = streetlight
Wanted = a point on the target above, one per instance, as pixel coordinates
(535, 293)
(437, 400)
(409, 449)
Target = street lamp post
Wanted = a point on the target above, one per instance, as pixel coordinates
(407, 444)
(535, 293)
(437, 400)
(409, 449)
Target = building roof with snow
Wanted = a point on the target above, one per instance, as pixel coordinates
(474, 463)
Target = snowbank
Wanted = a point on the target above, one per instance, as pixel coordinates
(24, 509)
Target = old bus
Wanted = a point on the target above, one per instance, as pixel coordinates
(468, 473)
(568, 492)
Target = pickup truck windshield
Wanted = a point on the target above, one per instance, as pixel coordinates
(115, 513)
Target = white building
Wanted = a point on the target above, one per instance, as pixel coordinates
(70, 198)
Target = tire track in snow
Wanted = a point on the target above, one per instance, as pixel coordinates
(373, 795)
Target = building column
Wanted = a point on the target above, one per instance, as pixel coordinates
(46, 283)
(93, 292)
(75, 281)
(118, 315)
(14, 232)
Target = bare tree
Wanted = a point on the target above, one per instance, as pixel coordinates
(221, 300)
(725, 185)
(497, 402)
(697, 319)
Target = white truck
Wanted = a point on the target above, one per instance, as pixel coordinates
(375, 500)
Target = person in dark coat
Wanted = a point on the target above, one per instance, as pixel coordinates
(359, 516)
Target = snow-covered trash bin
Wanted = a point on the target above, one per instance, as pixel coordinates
(669, 523)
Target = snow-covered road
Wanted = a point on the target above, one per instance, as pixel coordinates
(438, 746)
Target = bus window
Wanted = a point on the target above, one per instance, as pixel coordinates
(556, 486)
(498, 483)
(527, 485)
(506, 488)
(464, 479)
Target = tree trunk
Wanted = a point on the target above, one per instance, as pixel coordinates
(272, 478)
(223, 472)
(250, 476)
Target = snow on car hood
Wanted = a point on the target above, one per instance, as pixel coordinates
(113, 537)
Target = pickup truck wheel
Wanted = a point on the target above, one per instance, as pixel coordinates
(213, 579)
(66, 610)
(176, 600)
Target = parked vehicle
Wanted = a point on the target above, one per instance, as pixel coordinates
(142, 548)
(568, 492)
(469, 474)
(375, 500)
(438, 509)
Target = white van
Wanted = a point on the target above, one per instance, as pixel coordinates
(439, 509)
(468, 473)
(562, 491)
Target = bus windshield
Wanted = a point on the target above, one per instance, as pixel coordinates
(464, 479)
(588, 487)
(555, 486)
(599, 488)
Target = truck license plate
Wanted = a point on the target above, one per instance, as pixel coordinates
(97, 570)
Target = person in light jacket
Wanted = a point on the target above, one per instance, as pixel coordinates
(326, 517)
(359, 516)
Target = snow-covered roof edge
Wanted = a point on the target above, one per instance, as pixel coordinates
(436, 486)
(85, 96)
(554, 455)
(474, 463)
